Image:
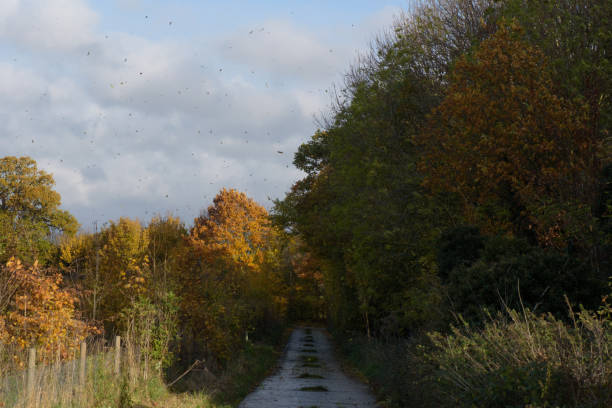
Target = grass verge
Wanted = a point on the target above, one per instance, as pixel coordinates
(515, 359)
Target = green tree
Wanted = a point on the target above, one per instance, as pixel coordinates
(29, 211)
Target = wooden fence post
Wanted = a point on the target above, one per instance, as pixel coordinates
(117, 355)
(31, 376)
(82, 364)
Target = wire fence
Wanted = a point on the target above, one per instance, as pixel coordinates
(94, 373)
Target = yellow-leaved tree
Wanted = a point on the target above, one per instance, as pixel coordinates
(110, 268)
(29, 211)
(235, 229)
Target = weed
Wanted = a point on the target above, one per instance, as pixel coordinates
(125, 396)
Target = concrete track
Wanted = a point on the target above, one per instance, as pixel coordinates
(309, 377)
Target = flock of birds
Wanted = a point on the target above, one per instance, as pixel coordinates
(96, 148)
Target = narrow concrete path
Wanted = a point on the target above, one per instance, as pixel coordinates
(309, 377)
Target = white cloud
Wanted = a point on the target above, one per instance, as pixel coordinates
(55, 25)
(19, 86)
(131, 125)
(281, 47)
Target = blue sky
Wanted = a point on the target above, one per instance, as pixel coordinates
(196, 17)
(140, 107)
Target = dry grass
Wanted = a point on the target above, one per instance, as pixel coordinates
(58, 386)
(521, 357)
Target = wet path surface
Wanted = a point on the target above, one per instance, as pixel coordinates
(309, 377)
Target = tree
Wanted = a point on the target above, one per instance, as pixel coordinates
(520, 157)
(41, 314)
(29, 211)
(166, 246)
(236, 229)
(110, 268)
(231, 281)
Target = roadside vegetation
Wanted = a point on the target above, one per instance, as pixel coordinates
(453, 228)
(210, 300)
(458, 200)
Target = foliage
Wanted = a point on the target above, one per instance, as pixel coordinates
(166, 247)
(306, 300)
(526, 360)
(41, 314)
(508, 146)
(389, 367)
(235, 229)
(459, 246)
(29, 211)
(125, 397)
(111, 268)
(576, 37)
(152, 329)
(232, 284)
(491, 273)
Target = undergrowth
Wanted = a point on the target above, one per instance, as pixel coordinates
(516, 359)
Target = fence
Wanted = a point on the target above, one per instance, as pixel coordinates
(88, 377)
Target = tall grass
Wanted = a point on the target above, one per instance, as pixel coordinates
(138, 384)
(520, 359)
(515, 359)
(58, 384)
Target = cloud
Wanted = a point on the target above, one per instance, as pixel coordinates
(19, 86)
(131, 125)
(280, 47)
(53, 25)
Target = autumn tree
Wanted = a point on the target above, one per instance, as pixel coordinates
(235, 228)
(29, 211)
(231, 284)
(304, 279)
(520, 157)
(41, 313)
(167, 243)
(110, 268)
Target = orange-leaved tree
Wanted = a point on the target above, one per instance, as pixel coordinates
(520, 157)
(232, 284)
(235, 229)
(41, 314)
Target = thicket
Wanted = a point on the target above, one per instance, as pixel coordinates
(177, 296)
(462, 174)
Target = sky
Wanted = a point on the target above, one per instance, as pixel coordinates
(144, 107)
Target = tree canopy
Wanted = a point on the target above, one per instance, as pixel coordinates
(30, 211)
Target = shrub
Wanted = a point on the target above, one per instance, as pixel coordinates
(460, 246)
(521, 359)
(507, 267)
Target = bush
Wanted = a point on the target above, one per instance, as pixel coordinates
(389, 367)
(510, 273)
(458, 247)
(521, 359)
